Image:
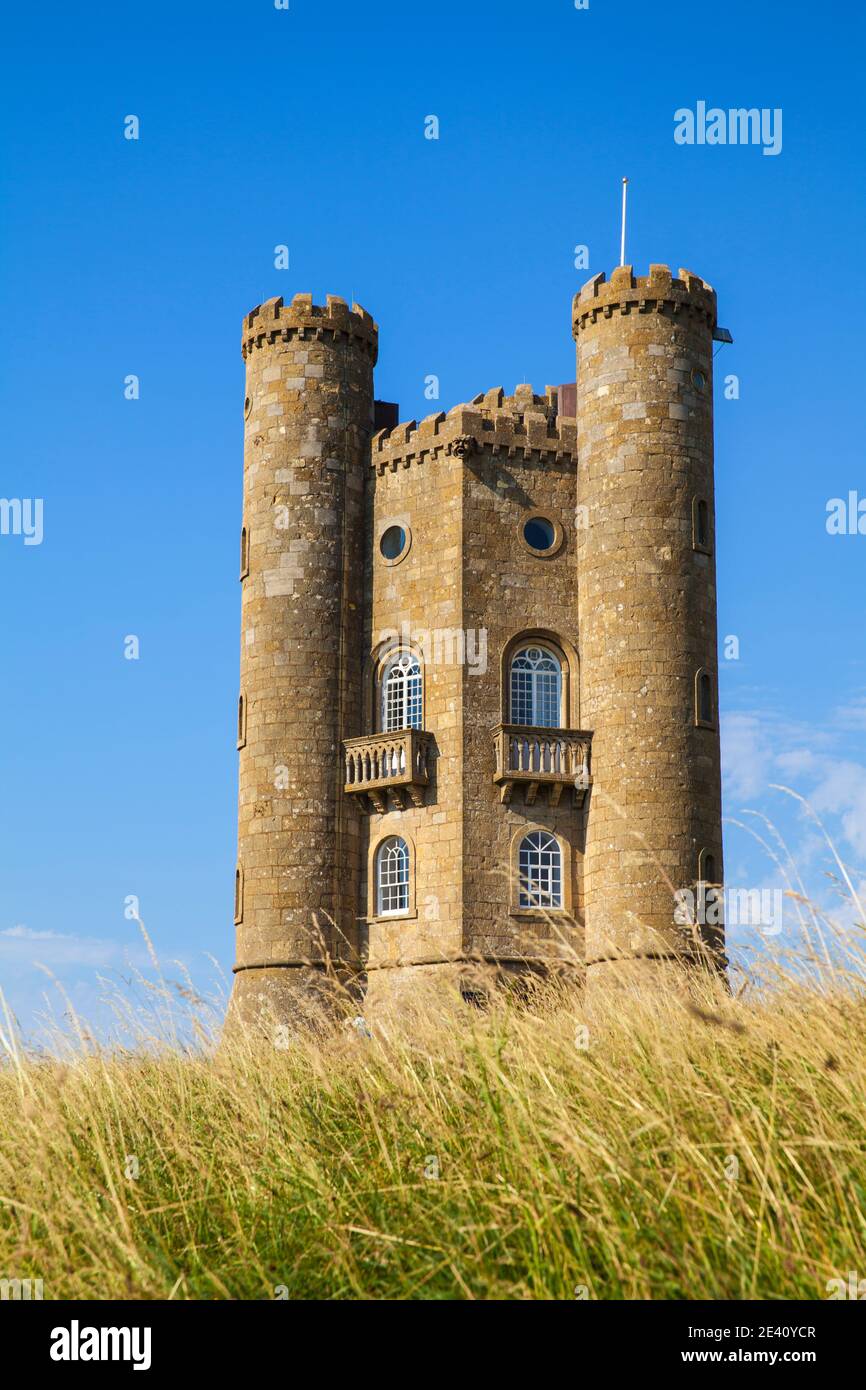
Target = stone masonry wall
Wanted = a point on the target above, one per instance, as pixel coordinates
(464, 484)
(420, 489)
(509, 592)
(308, 420)
(647, 602)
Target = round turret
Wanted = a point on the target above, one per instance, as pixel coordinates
(647, 613)
(308, 418)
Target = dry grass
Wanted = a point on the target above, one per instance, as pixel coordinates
(716, 1151)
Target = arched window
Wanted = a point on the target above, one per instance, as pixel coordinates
(239, 894)
(536, 687)
(701, 522)
(704, 703)
(711, 893)
(392, 877)
(707, 867)
(540, 867)
(401, 693)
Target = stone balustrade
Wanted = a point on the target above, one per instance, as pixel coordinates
(534, 757)
(382, 765)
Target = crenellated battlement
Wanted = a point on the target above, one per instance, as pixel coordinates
(303, 319)
(524, 423)
(626, 293)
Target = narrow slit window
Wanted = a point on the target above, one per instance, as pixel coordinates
(711, 897)
(701, 524)
(245, 553)
(707, 867)
(704, 702)
(242, 721)
(239, 894)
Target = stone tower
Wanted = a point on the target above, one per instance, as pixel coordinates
(464, 593)
(477, 723)
(647, 614)
(308, 419)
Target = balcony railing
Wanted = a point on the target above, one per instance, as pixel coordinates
(533, 757)
(383, 765)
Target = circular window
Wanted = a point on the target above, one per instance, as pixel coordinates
(248, 405)
(394, 542)
(541, 535)
(699, 381)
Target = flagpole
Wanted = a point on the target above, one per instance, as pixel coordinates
(622, 238)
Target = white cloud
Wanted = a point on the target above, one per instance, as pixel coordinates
(841, 792)
(798, 762)
(853, 714)
(28, 934)
(760, 750)
(746, 760)
(23, 946)
(758, 745)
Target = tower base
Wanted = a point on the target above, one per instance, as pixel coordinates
(423, 988)
(651, 980)
(276, 1003)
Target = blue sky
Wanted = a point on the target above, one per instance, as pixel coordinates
(261, 127)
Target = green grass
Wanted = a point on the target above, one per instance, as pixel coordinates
(717, 1152)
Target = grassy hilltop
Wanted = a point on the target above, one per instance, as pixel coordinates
(688, 1152)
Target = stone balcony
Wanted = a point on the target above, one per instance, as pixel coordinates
(532, 758)
(395, 765)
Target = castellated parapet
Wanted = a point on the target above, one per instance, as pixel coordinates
(523, 424)
(478, 718)
(303, 320)
(657, 292)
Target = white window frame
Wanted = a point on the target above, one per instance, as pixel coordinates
(537, 669)
(393, 864)
(402, 679)
(540, 868)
